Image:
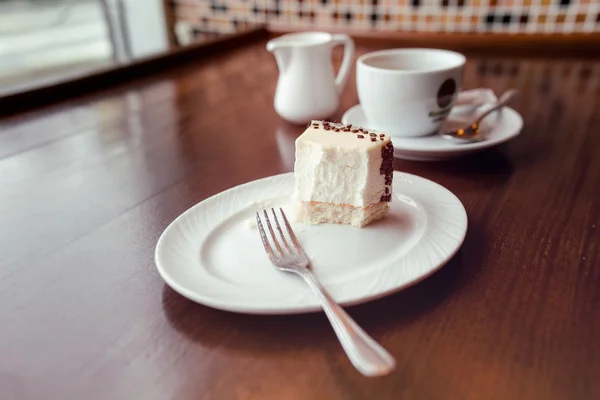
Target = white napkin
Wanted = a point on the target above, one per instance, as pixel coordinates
(469, 105)
(469, 101)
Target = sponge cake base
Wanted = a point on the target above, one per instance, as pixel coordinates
(313, 213)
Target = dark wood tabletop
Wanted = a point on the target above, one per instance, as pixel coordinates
(88, 185)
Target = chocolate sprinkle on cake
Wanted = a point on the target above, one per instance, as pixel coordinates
(360, 136)
(387, 168)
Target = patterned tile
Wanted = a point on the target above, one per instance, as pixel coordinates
(206, 18)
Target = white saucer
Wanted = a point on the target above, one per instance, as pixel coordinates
(505, 125)
(212, 253)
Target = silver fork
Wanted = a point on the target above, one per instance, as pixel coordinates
(365, 354)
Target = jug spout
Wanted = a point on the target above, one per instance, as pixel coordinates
(281, 52)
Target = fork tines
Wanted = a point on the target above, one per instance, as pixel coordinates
(287, 250)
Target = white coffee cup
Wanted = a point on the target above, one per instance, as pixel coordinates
(409, 91)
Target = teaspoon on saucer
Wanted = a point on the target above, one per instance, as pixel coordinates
(472, 133)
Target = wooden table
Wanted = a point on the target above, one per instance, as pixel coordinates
(88, 185)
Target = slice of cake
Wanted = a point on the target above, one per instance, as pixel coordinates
(343, 174)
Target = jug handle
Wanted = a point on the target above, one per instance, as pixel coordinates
(344, 72)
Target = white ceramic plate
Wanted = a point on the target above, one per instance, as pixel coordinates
(502, 127)
(212, 253)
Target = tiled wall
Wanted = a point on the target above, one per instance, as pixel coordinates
(198, 18)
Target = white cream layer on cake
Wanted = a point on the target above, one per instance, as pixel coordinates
(343, 174)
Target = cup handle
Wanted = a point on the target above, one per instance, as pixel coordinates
(342, 76)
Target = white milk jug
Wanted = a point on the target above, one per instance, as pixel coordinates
(307, 87)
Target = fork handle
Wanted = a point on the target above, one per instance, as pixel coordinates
(365, 353)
